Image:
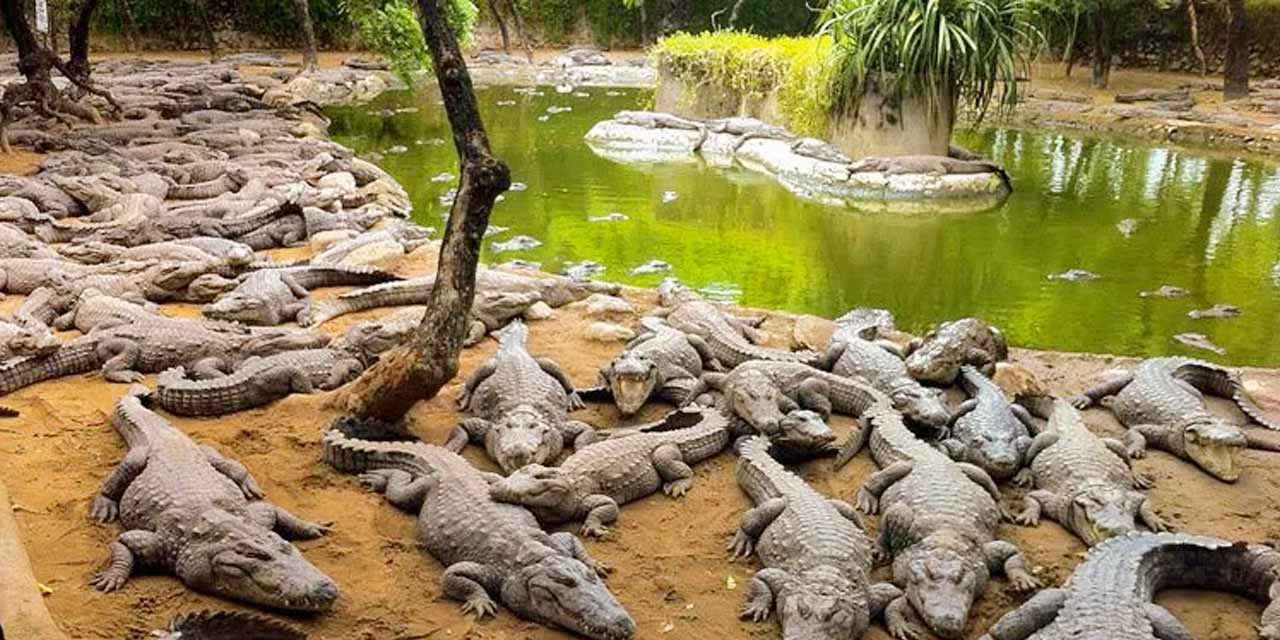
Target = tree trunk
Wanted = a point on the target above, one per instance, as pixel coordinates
(502, 25)
(127, 25)
(206, 24)
(21, 607)
(1101, 50)
(33, 60)
(734, 13)
(418, 369)
(1194, 22)
(78, 64)
(1236, 83)
(520, 30)
(309, 56)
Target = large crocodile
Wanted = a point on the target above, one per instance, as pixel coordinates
(729, 339)
(1083, 482)
(660, 362)
(938, 525)
(18, 341)
(188, 509)
(987, 431)
(519, 406)
(275, 296)
(1109, 596)
(814, 549)
(936, 358)
(1162, 403)
(257, 381)
(490, 550)
(856, 350)
(592, 483)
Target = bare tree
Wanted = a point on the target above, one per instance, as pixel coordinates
(78, 63)
(1102, 29)
(419, 368)
(1236, 83)
(309, 56)
(520, 30)
(1194, 22)
(127, 25)
(502, 25)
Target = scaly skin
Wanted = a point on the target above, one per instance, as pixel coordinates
(17, 341)
(729, 339)
(937, 357)
(519, 406)
(938, 525)
(854, 351)
(1162, 404)
(274, 296)
(815, 553)
(490, 312)
(409, 235)
(1083, 482)
(592, 483)
(188, 509)
(24, 275)
(227, 625)
(660, 362)
(491, 550)
(214, 249)
(256, 382)
(986, 430)
(1109, 596)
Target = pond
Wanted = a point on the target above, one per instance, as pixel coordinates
(1141, 216)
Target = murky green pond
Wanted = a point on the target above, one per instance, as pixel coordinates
(1206, 224)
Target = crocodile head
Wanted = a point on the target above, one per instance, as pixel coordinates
(1102, 511)
(1214, 445)
(176, 276)
(803, 432)
(535, 485)
(272, 341)
(241, 308)
(921, 406)
(209, 286)
(941, 579)
(933, 363)
(632, 379)
(370, 339)
(225, 555)
(33, 343)
(822, 604)
(560, 590)
(523, 437)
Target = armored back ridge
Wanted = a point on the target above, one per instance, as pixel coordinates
(937, 357)
(856, 351)
(986, 430)
(661, 362)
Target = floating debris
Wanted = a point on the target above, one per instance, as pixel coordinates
(615, 216)
(434, 141)
(448, 197)
(518, 186)
(669, 197)
(505, 103)
(543, 118)
(522, 264)
(583, 270)
(1216, 311)
(518, 243)
(398, 149)
(493, 230)
(444, 177)
(499, 198)
(581, 94)
(382, 113)
(564, 88)
(553, 109)
(1127, 227)
(1075, 275)
(1199, 341)
(374, 157)
(1165, 291)
(652, 266)
(407, 110)
(613, 94)
(721, 291)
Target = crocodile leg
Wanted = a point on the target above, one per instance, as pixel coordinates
(676, 476)
(1139, 435)
(1020, 412)
(478, 376)
(343, 372)
(709, 360)
(869, 496)
(471, 583)
(879, 596)
(119, 356)
(209, 369)
(469, 430)
(475, 333)
(835, 351)
(1139, 480)
(127, 551)
(1108, 388)
(1147, 514)
(401, 489)
(903, 623)
(964, 408)
(762, 593)
(570, 544)
(753, 524)
(296, 289)
(1033, 615)
(106, 504)
(289, 526)
(980, 478)
(1165, 626)
(1003, 556)
(1037, 501)
(601, 511)
(815, 394)
(234, 471)
(578, 432)
(677, 391)
(556, 372)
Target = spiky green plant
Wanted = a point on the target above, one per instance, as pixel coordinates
(974, 51)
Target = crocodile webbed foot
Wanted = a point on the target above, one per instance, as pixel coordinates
(482, 605)
(1024, 478)
(901, 621)
(741, 546)
(677, 488)
(575, 402)
(756, 611)
(593, 530)
(1082, 402)
(104, 509)
(867, 503)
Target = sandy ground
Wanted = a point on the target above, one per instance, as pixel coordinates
(671, 569)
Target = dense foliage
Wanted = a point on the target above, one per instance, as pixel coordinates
(391, 29)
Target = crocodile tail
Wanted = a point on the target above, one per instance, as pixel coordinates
(1247, 405)
(351, 455)
(971, 379)
(226, 625)
(1226, 384)
(77, 356)
(6, 412)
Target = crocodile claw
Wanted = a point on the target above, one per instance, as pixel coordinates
(108, 581)
(741, 546)
(1027, 519)
(104, 509)
(575, 402)
(1081, 402)
(1143, 481)
(590, 530)
(1136, 451)
(867, 503)
(904, 630)
(481, 605)
(602, 569)
(756, 612)
(677, 488)
(374, 482)
(250, 488)
(1023, 478)
(1023, 582)
(1005, 514)
(1269, 632)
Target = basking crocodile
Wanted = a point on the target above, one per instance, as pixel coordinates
(815, 552)
(188, 509)
(660, 362)
(857, 351)
(1109, 596)
(275, 296)
(1162, 403)
(490, 550)
(729, 339)
(257, 381)
(1083, 482)
(232, 253)
(489, 312)
(519, 406)
(407, 234)
(938, 525)
(592, 483)
(936, 358)
(18, 341)
(749, 129)
(930, 165)
(226, 625)
(987, 431)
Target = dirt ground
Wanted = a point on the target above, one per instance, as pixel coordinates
(671, 570)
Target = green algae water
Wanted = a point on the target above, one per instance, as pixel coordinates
(1140, 216)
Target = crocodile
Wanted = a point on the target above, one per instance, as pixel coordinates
(275, 296)
(930, 165)
(286, 231)
(936, 358)
(1162, 404)
(232, 254)
(227, 625)
(938, 524)
(1109, 595)
(188, 509)
(596, 480)
(519, 406)
(15, 243)
(749, 129)
(257, 381)
(24, 275)
(490, 550)
(858, 351)
(987, 431)
(555, 291)
(731, 340)
(408, 235)
(660, 362)
(1083, 482)
(17, 341)
(815, 552)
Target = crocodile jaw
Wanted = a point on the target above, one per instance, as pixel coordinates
(563, 591)
(940, 585)
(1215, 446)
(820, 605)
(631, 381)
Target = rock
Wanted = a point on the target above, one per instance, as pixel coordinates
(1154, 95)
(812, 333)
(325, 239)
(600, 305)
(498, 58)
(342, 181)
(1199, 341)
(1216, 311)
(1015, 379)
(374, 253)
(366, 63)
(539, 311)
(1165, 291)
(1075, 275)
(608, 332)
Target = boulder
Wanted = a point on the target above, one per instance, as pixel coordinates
(608, 332)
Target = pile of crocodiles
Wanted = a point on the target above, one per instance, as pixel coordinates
(184, 203)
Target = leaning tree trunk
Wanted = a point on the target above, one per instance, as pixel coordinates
(22, 608)
(206, 28)
(520, 30)
(309, 56)
(418, 369)
(126, 24)
(1236, 83)
(1194, 23)
(502, 25)
(78, 64)
(1101, 50)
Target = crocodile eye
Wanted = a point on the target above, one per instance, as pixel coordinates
(568, 581)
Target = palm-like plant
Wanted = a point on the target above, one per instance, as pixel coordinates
(969, 50)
